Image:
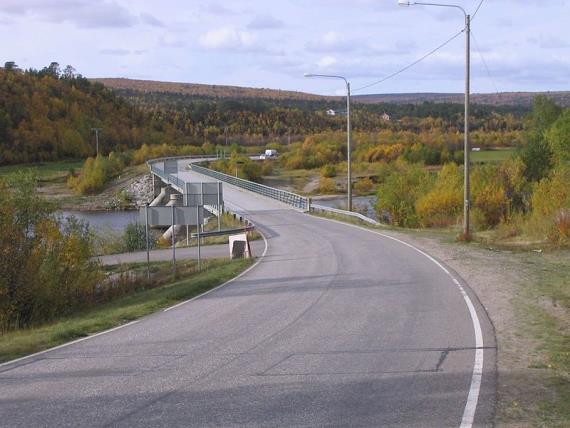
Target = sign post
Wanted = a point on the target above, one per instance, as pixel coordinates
(173, 242)
(198, 233)
(147, 241)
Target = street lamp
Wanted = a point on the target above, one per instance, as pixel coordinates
(466, 187)
(96, 139)
(348, 130)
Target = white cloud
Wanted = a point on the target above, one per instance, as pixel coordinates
(227, 38)
(327, 62)
(82, 13)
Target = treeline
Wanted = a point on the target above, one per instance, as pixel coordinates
(256, 121)
(528, 194)
(48, 114)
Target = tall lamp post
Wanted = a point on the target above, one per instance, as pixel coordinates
(348, 130)
(96, 139)
(466, 186)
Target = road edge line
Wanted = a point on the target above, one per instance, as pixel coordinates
(91, 336)
(225, 283)
(468, 417)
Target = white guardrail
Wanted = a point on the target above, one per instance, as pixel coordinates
(289, 198)
(297, 201)
(315, 207)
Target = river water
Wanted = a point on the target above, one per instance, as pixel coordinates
(101, 221)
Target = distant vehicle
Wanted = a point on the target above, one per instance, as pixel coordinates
(476, 149)
(269, 154)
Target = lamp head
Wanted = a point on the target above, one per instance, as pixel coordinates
(308, 75)
(406, 3)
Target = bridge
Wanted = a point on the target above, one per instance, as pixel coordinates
(335, 325)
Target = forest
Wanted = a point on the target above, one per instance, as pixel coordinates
(50, 114)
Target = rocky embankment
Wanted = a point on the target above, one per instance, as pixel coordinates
(140, 191)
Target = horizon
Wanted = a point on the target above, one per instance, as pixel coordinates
(250, 43)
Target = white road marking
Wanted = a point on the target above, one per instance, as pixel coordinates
(477, 374)
(225, 283)
(69, 343)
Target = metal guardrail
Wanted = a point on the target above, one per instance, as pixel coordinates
(223, 232)
(289, 198)
(344, 212)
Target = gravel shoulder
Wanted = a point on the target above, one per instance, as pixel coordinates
(531, 320)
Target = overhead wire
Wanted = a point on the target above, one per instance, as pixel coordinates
(484, 62)
(407, 67)
(412, 64)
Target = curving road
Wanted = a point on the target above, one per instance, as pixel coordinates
(336, 326)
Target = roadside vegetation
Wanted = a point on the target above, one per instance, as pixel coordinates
(48, 271)
(125, 307)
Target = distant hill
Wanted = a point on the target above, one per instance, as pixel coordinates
(201, 90)
(521, 99)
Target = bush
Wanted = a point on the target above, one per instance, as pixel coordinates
(96, 173)
(328, 171)
(550, 205)
(397, 195)
(46, 269)
(364, 186)
(134, 238)
(327, 185)
(441, 206)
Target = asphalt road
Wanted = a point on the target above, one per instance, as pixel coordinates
(336, 326)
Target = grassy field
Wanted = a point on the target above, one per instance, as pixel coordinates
(45, 171)
(485, 156)
(215, 272)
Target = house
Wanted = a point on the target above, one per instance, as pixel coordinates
(386, 117)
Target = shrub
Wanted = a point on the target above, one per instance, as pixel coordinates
(96, 173)
(327, 185)
(328, 171)
(441, 206)
(397, 195)
(134, 238)
(364, 186)
(550, 205)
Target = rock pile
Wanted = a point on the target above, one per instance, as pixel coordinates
(140, 190)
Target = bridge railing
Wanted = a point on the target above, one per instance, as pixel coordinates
(168, 178)
(289, 198)
(315, 207)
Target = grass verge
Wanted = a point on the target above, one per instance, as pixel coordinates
(215, 272)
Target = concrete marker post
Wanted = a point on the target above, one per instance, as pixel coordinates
(147, 242)
(173, 242)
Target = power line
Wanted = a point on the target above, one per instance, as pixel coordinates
(412, 64)
(484, 62)
(477, 10)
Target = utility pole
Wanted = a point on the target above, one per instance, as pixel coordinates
(466, 148)
(96, 139)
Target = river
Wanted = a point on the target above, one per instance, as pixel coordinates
(100, 221)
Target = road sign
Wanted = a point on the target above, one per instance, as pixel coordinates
(203, 194)
(162, 216)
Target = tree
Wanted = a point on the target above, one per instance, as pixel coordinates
(558, 138)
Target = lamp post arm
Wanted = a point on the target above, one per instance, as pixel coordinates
(443, 5)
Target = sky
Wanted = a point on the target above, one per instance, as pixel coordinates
(517, 45)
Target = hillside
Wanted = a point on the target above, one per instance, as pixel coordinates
(516, 99)
(210, 91)
(48, 115)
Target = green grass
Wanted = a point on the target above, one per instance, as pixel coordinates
(545, 310)
(45, 171)
(485, 156)
(24, 342)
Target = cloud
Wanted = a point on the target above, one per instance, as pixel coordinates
(327, 62)
(332, 42)
(82, 13)
(151, 20)
(549, 42)
(122, 52)
(171, 41)
(227, 38)
(265, 22)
